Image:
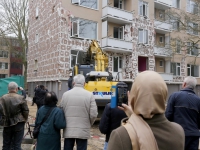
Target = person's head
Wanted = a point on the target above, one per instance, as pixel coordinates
(42, 87)
(189, 82)
(50, 99)
(12, 87)
(79, 79)
(148, 94)
(70, 74)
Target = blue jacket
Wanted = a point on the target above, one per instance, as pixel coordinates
(49, 135)
(110, 120)
(183, 108)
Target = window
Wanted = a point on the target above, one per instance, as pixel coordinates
(3, 75)
(119, 32)
(36, 38)
(118, 4)
(77, 57)
(84, 29)
(36, 12)
(192, 28)
(192, 7)
(3, 54)
(176, 25)
(193, 70)
(86, 3)
(178, 46)
(176, 3)
(161, 63)
(3, 65)
(16, 65)
(143, 36)
(175, 69)
(192, 49)
(143, 8)
(36, 65)
(117, 63)
(161, 39)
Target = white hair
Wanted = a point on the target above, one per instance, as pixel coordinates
(190, 82)
(79, 79)
(12, 86)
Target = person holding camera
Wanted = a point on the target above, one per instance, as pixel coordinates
(110, 120)
(147, 127)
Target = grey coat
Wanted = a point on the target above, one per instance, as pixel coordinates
(80, 111)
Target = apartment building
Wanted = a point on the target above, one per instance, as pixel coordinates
(10, 60)
(137, 35)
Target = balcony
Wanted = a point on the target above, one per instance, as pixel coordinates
(163, 4)
(116, 15)
(162, 51)
(116, 45)
(167, 76)
(162, 27)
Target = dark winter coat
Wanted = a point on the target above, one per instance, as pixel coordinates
(110, 120)
(183, 108)
(40, 96)
(49, 136)
(70, 83)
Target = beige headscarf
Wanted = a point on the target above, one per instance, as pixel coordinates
(148, 95)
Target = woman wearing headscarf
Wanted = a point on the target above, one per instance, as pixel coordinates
(147, 128)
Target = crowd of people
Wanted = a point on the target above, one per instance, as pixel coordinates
(145, 123)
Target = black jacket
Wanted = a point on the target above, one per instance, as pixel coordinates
(110, 120)
(183, 108)
(40, 96)
(13, 109)
(70, 83)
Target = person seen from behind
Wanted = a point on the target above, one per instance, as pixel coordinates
(70, 80)
(183, 108)
(49, 137)
(14, 112)
(80, 112)
(110, 120)
(147, 127)
(34, 97)
(40, 95)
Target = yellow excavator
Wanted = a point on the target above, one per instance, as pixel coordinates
(98, 78)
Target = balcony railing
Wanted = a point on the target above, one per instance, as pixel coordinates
(117, 15)
(162, 51)
(162, 27)
(167, 76)
(163, 4)
(117, 44)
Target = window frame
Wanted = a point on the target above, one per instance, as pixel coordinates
(78, 28)
(189, 66)
(119, 63)
(145, 35)
(5, 65)
(146, 4)
(77, 2)
(178, 67)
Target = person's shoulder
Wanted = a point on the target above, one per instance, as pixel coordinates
(176, 128)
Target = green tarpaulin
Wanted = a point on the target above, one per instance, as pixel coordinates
(5, 81)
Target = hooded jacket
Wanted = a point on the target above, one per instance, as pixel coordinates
(13, 109)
